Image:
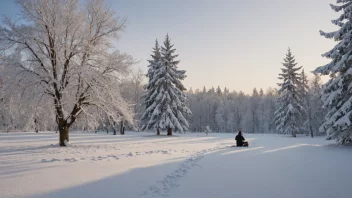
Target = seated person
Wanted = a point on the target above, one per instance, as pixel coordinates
(240, 140)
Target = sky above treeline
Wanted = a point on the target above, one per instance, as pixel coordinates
(238, 44)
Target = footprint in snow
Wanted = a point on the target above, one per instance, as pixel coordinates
(130, 155)
(52, 160)
(113, 156)
(70, 160)
(171, 181)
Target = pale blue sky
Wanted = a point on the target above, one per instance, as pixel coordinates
(234, 43)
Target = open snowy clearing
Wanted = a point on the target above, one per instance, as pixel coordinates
(191, 165)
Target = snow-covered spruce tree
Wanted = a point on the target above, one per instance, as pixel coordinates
(337, 91)
(317, 112)
(261, 111)
(306, 99)
(226, 91)
(63, 55)
(270, 104)
(218, 91)
(252, 121)
(290, 105)
(220, 116)
(168, 100)
(151, 88)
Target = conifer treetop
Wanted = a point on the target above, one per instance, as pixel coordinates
(339, 53)
(289, 75)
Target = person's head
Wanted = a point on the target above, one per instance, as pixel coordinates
(239, 132)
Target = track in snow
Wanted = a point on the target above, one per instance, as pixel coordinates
(162, 188)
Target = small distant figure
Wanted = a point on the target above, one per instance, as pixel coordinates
(207, 130)
(240, 141)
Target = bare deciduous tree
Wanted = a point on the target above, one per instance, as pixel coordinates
(64, 54)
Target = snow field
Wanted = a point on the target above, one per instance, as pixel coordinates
(191, 165)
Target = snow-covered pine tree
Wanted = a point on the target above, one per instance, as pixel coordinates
(218, 91)
(156, 58)
(220, 116)
(204, 90)
(337, 91)
(207, 130)
(190, 91)
(151, 88)
(290, 105)
(261, 92)
(271, 96)
(317, 112)
(212, 90)
(306, 99)
(226, 91)
(168, 102)
(254, 106)
(261, 111)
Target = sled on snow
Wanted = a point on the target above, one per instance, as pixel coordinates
(245, 144)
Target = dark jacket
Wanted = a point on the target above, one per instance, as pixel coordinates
(239, 140)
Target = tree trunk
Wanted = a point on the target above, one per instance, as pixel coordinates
(311, 131)
(169, 131)
(63, 135)
(122, 132)
(36, 125)
(157, 131)
(310, 122)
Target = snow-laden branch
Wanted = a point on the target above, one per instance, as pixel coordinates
(65, 51)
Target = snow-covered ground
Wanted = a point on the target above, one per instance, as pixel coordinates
(192, 165)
